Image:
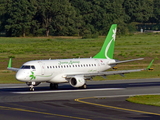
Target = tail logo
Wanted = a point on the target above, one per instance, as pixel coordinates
(109, 44)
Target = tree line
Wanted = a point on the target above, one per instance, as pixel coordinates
(74, 17)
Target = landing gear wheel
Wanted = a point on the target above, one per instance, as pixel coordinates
(31, 88)
(53, 86)
(84, 86)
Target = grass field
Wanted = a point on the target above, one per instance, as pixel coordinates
(126, 47)
(146, 99)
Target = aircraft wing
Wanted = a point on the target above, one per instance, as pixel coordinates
(121, 72)
(103, 74)
(13, 69)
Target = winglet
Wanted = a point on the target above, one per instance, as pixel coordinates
(10, 63)
(149, 66)
(10, 66)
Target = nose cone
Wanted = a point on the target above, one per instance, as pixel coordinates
(20, 76)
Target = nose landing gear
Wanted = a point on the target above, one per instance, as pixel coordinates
(31, 88)
(32, 84)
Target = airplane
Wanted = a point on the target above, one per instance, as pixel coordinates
(74, 71)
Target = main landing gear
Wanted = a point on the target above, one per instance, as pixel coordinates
(84, 86)
(53, 86)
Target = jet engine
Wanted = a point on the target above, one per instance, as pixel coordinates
(77, 81)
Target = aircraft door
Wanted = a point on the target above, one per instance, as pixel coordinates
(98, 64)
(42, 67)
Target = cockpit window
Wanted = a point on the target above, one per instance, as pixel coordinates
(32, 67)
(27, 67)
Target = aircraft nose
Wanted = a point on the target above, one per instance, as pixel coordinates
(20, 76)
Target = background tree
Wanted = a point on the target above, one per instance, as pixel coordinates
(53, 15)
(2, 14)
(19, 17)
(138, 10)
(156, 11)
(98, 15)
(75, 17)
(85, 15)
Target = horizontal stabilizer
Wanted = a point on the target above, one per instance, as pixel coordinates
(117, 62)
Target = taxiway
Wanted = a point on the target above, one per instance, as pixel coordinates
(102, 100)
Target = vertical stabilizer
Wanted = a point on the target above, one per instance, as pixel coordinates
(107, 49)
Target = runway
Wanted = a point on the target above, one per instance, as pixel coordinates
(102, 100)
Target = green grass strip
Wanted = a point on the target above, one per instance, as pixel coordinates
(145, 99)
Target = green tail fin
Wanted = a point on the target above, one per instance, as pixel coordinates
(107, 49)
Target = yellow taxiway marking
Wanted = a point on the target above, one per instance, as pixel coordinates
(45, 113)
(113, 107)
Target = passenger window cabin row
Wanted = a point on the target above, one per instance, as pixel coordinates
(69, 66)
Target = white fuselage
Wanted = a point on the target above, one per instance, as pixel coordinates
(54, 71)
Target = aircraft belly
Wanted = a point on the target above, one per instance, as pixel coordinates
(58, 80)
(43, 78)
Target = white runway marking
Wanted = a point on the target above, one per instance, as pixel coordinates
(56, 91)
